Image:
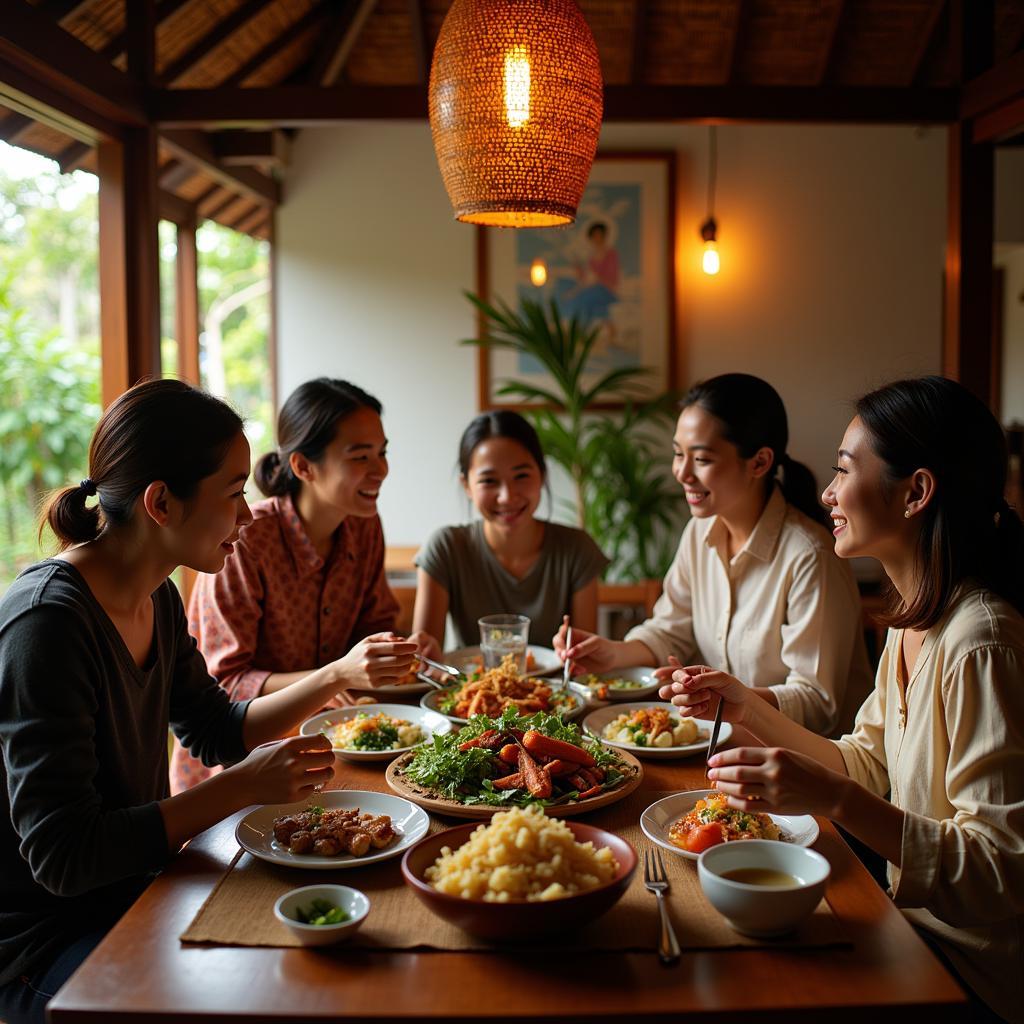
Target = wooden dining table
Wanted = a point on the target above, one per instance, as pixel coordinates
(142, 971)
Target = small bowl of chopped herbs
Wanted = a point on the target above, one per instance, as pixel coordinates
(319, 915)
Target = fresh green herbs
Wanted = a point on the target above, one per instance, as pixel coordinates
(384, 737)
(467, 775)
(321, 911)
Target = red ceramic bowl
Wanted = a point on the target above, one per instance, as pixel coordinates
(519, 919)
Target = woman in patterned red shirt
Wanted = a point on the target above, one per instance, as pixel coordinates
(305, 582)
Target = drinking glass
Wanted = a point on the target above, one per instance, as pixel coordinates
(502, 635)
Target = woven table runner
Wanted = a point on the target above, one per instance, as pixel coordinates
(240, 910)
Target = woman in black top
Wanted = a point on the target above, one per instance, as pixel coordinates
(96, 663)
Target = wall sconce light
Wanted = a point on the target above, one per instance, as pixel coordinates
(516, 99)
(538, 273)
(710, 262)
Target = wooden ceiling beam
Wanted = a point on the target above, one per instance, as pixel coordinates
(217, 210)
(196, 148)
(638, 52)
(925, 41)
(262, 149)
(1000, 124)
(1002, 84)
(298, 106)
(225, 28)
(118, 44)
(175, 174)
(420, 43)
(210, 199)
(297, 28)
(53, 68)
(173, 208)
(827, 65)
(72, 156)
(140, 34)
(333, 53)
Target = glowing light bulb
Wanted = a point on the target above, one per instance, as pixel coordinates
(538, 273)
(517, 87)
(709, 261)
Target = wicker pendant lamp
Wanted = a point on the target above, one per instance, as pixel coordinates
(515, 110)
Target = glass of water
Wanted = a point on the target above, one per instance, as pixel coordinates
(502, 635)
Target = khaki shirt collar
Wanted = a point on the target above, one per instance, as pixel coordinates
(764, 538)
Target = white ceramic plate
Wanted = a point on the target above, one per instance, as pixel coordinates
(431, 702)
(255, 832)
(545, 660)
(644, 676)
(595, 722)
(799, 829)
(430, 722)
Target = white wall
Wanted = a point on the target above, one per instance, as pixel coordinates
(832, 251)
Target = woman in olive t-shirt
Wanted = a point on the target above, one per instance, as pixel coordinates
(509, 561)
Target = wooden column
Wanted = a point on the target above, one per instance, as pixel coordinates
(187, 307)
(967, 345)
(967, 342)
(129, 261)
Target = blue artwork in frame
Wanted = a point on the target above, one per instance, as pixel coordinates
(612, 268)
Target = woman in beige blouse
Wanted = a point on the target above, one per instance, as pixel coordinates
(919, 486)
(755, 587)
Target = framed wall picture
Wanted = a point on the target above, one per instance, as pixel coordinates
(614, 267)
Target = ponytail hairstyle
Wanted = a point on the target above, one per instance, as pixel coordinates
(968, 532)
(158, 430)
(307, 424)
(753, 417)
(500, 423)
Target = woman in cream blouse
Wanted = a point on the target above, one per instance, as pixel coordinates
(919, 486)
(755, 588)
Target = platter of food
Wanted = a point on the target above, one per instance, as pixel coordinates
(376, 732)
(652, 729)
(540, 661)
(689, 823)
(514, 761)
(490, 692)
(336, 829)
(626, 684)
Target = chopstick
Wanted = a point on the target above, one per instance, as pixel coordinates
(714, 735)
(568, 645)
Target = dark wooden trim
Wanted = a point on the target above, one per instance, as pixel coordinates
(1000, 124)
(925, 41)
(176, 173)
(208, 42)
(297, 28)
(638, 49)
(165, 9)
(263, 149)
(175, 209)
(998, 338)
(62, 66)
(197, 148)
(739, 40)
(1000, 85)
(420, 43)
(140, 36)
(967, 355)
(71, 156)
(129, 261)
(341, 37)
(300, 105)
(59, 10)
(827, 65)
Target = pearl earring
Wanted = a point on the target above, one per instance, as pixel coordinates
(906, 515)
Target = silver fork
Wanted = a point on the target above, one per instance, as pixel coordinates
(656, 881)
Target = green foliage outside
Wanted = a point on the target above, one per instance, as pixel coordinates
(49, 336)
(619, 463)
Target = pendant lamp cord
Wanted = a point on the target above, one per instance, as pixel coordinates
(712, 167)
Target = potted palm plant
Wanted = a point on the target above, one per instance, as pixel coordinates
(618, 462)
